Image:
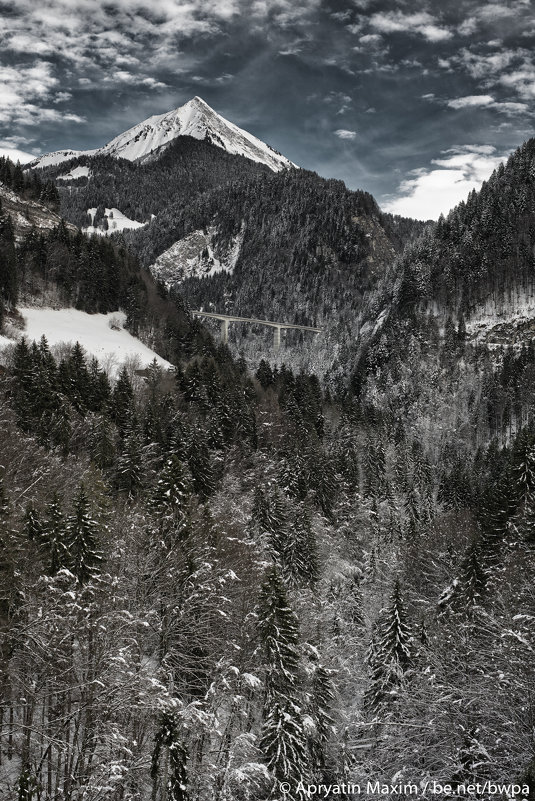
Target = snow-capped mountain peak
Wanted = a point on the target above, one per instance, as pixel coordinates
(196, 119)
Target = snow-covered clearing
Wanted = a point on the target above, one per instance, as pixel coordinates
(110, 346)
(117, 221)
(76, 172)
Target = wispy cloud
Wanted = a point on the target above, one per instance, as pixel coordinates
(487, 101)
(342, 133)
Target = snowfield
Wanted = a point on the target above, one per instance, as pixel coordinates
(117, 221)
(76, 172)
(111, 347)
(57, 157)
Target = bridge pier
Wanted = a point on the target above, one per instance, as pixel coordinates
(224, 331)
(276, 338)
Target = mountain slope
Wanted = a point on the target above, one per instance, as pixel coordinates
(457, 316)
(195, 119)
(27, 214)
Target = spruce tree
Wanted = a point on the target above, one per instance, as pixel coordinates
(390, 653)
(283, 741)
(299, 554)
(171, 497)
(82, 539)
(320, 701)
(473, 579)
(129, 472)
(54, 537)
(122, 402)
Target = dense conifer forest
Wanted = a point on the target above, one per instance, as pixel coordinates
(216, 580)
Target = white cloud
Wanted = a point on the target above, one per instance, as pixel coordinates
(26, 92)
(482, 102)
(342, 133)
(471, 100)
(434, 190)
(421, 23)
(522, 80)
(371, 38)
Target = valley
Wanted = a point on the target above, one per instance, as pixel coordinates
(228, 568)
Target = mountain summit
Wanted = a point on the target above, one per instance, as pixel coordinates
(196, 119)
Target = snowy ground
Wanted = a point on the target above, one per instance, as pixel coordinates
(117, 221)
(111, 347)
(77, 172)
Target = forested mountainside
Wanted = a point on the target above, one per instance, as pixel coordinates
(290, 245)
(214, 582)
(183, 172)
(309, 249)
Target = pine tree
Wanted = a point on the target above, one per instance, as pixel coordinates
(390, 653)
(54, 536)
(202, 472)
(122, 402)
(299, 554)
(356, 603)
(82, 539)
(320, 701)
(473, 579)
(172, 494)
(8, 261)
(283, 740)
(129, 472)
(33, 526)
(102, 444)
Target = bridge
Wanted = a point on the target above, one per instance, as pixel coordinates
(277, 327)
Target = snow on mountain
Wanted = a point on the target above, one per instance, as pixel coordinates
(115, 220)
(112, 346)
(76, 172)
(55, 158)
(197, 255)
(195, 119)
(503, 320)
(198, 120)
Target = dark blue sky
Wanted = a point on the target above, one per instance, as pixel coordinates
(415, 102)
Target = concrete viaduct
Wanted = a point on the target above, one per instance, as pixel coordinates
(277, 327)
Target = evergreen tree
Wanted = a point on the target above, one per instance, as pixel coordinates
(473, 579)
(54, 536)
(171, 497)
(102, 444)
(33, 526)
(283, 740)
(129, 473)
(122, 402)
(390, 654)
(321, 697)
(299, 554)
(82, 539)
